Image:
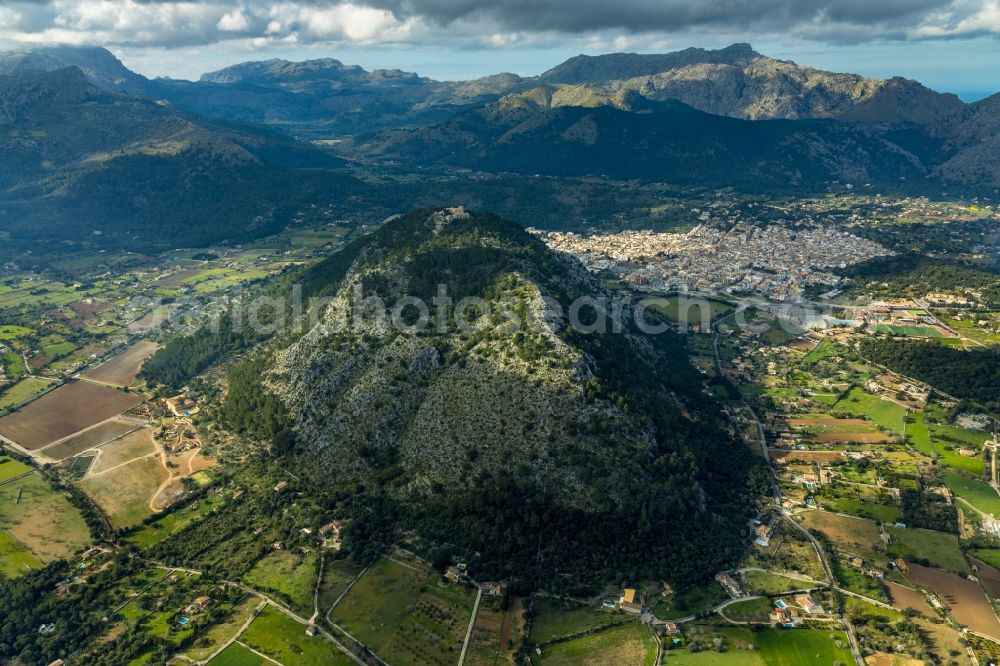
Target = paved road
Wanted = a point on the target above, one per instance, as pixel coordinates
(281, 608)
(253, 616)
(472, 622)
(18, 477)
(776, 490)
(721, 607)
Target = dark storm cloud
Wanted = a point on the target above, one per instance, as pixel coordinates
(482, 22)
(661, 15)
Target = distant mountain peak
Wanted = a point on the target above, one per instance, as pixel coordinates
(277, 70)
(619, 66)
(99, 65)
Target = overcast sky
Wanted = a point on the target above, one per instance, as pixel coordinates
(951, 45)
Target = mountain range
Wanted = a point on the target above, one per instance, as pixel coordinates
(94, 151)
(82, 164)
(327, 95)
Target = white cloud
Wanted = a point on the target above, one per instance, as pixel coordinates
(349, 22)
(974, 18)
(234, 21)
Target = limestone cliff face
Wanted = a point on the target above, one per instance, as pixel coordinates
(98, 65)
(741, 83)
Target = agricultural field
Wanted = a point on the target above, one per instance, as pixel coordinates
(767, 582)
(401, 611)
(738, 645)
(990, 556)
(68, 364)
(23, 390)
(857, 437)
(853, 535)
(10, 332)
(948, 441)
(124, 493)
(854, 579)
(826, 349)
(554, 618)
(691, 601)
(820, 424)
(55, 345)
(162, 528)
(829, 430)
(152, 320)
(337, 575)
(285, 640)
(13, 365)
(789, 550)
(136, 444)
(792, 455)
(237, 655)
(881, 412)
(178, 278)
(944, 641)
(38, 293)
(66, 410)
(217, 279)
(977, 493)
(88, 439)
(122, 369)
(906, 598)
(10, 468)
(291, 576)
(681, 657)
(314, 238)
(860, 501)
(988, 576)
(938, 548)
(753, 610)
(803, 646)
(497, 633)
(629, 644)
(41, 519)
(964, 598)
(215, 636)
(15, 558)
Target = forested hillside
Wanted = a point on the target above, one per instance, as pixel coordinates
(918, 275)
(86, 167)
(670, 143)
(973, 374)
(561, 458)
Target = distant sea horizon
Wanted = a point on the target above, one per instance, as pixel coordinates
(969, 96)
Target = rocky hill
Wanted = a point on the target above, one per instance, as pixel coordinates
(604, 442)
